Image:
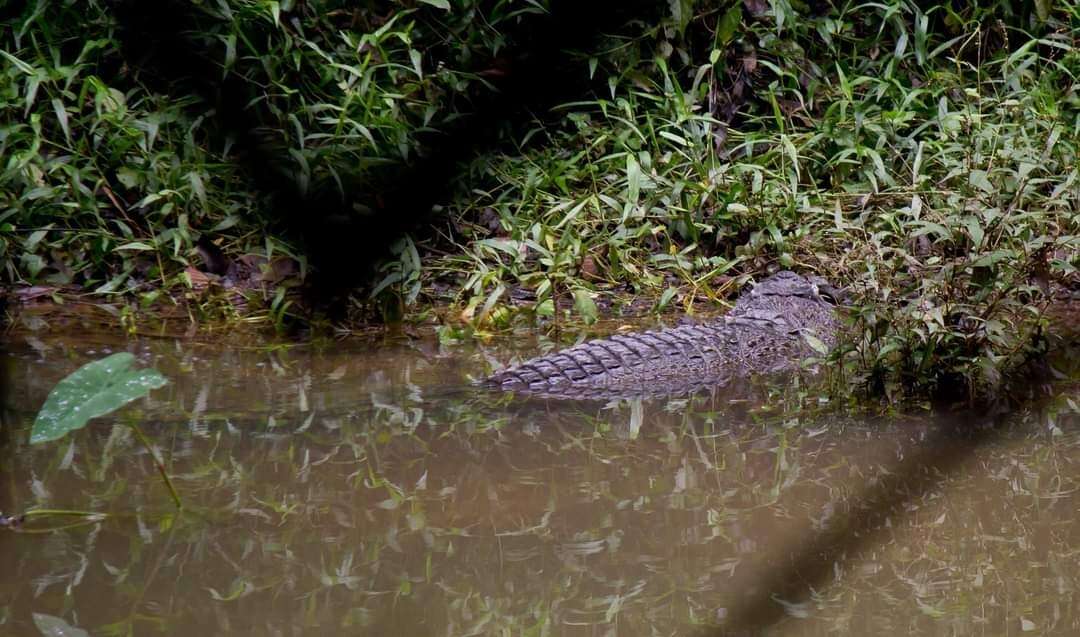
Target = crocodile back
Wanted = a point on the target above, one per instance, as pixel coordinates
(763, 333)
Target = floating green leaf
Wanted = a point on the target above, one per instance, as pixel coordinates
(51, 626)
(93, 390)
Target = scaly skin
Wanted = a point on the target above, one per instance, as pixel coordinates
(764, 333)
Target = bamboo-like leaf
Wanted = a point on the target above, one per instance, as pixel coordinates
(816, 344)
(585, 306)
(1042, 9)
(729, 24)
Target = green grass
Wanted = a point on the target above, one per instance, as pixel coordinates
(112, 174)
(105, 185)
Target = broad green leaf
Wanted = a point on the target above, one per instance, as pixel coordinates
(681, 13)
(1042, 10)
(439, 4)
(134, 245)
(633, 179)
(226, 223)
(62, 117)
(975, 231)
(929, 227)
(729, 24)
(230, 53)
(992, 258)
(666, 297)
(51, 626)
(1063, 186)
(19, 64)
(417, 62)
(792, 154)
(387, 281)
(585, 306)
(979, 179)
(681, 141)
(34, 239)
(573, 213)
(633, 187)
(491, 300)
(93, 390)
(198, 187)
(815, 342)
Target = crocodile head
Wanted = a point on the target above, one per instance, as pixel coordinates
(786, 283)
(829, 292)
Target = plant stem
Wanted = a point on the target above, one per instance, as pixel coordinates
(133, 615)
(62, 527)
(89, 517)
(159, 464)
(68, 512)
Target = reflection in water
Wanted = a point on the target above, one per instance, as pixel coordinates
(362, 490)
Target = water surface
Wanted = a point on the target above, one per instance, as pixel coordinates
(362, 488)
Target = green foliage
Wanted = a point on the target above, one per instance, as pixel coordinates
(922, 157)
(921, 153)
(95, 389)
(338, 91)
(111, 174)
(105, 185)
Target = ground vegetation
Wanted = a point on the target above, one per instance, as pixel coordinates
(920, 154)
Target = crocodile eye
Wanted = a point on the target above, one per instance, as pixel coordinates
(832, 294)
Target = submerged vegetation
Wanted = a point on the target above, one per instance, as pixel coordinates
(921, 154)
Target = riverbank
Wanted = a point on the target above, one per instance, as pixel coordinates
(922, 158)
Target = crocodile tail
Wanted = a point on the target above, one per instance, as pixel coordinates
(622, 361)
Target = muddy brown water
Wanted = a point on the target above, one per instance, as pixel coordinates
(362, 489)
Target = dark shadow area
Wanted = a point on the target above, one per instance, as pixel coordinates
(7, 496)
(812, 565)
(343, 237)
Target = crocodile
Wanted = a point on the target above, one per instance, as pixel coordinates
(772, 328)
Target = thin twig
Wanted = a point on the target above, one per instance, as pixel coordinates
(159, 464)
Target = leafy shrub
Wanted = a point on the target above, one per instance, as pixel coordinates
(921, 153)
(922, 157)
(116, 164)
